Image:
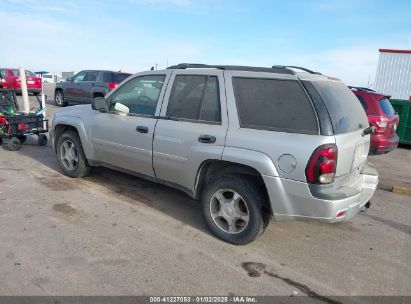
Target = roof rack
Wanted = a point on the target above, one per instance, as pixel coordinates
(280, 69)
(361, 89)
(302, 69)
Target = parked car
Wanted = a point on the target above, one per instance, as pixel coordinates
(86, 85)
(382, 116)
(10, 79)
(249, 142)
(51, 78)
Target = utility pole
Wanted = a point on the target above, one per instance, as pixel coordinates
(24, 91)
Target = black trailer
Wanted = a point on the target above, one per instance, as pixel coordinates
(15, 126)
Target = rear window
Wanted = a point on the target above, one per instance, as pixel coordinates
(386, 106)
(119, 77)
(16, 73)
(273, 104)
(346, 113)
(114, 77)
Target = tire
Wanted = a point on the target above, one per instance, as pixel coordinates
(42, 140)
(59, 99)
(13, 144)
(252, 201)
(22, 138)
(72, 162)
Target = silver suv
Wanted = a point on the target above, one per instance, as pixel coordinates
(251, 143)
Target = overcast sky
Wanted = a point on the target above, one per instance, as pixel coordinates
(339, 38)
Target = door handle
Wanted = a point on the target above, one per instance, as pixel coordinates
(142, 129)
(207, 139)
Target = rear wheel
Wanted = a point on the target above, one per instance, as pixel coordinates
(42, 140)
(13, 144)
(71, 156)
(59, 99)
(233, 209)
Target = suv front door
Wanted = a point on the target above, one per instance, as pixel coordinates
(123, 136)
(192, 126)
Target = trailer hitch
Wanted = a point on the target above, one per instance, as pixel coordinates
(366, 206)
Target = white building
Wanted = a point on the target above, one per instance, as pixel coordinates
(393, 75)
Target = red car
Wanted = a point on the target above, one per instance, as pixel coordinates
(10, 79)
(382, 116)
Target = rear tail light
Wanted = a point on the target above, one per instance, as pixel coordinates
(322, 165)
(112, 85)
(379, 123)
(3, 83)
(22, 127)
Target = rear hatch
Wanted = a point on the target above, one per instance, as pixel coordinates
(348, 121)
(33, 82)
(389, 116)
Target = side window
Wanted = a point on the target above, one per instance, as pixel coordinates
(195, 97)
(107, 77)
(362, 101)
(3, 73)
(138, 96)
(90, 76)
(273, 104)
(79, 76)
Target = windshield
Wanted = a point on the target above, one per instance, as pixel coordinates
(386, 106)
(346, 113)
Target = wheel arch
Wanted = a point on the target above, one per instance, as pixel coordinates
(62, 125)
(212, 169)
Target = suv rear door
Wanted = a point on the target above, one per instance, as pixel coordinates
(349, 121)
(192, 127)
(89, 81)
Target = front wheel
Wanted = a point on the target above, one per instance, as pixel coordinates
(233, 209)
(71, 156)
(59, 99)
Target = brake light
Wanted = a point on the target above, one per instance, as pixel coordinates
(379, 123)
(22, 127)
(3, 83)
(322, 165)
(112, 85)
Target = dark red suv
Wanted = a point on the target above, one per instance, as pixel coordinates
(382, 116)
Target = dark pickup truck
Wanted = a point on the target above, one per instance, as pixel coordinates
(87, 85)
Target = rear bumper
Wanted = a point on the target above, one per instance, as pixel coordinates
(30, 90)
(381, 144)
(296, 200)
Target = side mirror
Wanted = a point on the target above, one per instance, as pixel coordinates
(69, 79)
(99, 104)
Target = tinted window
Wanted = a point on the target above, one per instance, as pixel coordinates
(386, 106)
(3, 73)
(195, 97)
(119, 77)
(362, 101)
(346, 113)
(91, 76)
(107, 77)
(138, 96)
(114, 77)
(273, 104)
